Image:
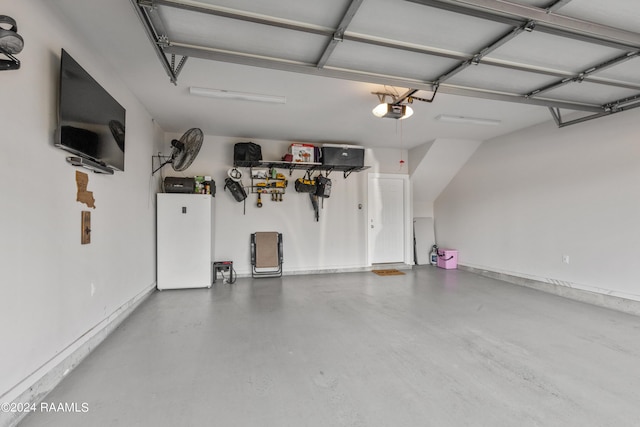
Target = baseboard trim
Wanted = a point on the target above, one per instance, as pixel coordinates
(332, 270)
(34, 388)
(595, 298)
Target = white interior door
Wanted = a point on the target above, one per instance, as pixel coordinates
(386, 225)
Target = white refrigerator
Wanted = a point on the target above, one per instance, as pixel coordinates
(184, 240)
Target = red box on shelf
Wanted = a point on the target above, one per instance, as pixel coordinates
(302, 153)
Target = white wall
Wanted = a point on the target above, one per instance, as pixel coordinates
(337, 241)
(422, 202)
(54, 290)
(432, 167)
(526, 199)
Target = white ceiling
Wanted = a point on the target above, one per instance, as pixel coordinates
(325, 109)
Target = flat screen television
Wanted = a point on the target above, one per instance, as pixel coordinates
(91, 123)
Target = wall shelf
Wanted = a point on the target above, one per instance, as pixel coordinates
(307, 167)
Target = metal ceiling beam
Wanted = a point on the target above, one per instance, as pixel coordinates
(542, 16)
(360, 76)
(407, 47)
(518, 98)
(485, 61)
(255, 18)
(475, 60)
(359, 38)
(556, 5)
(581, 76)
(529, 26)
(164, 46)
(154, 37)
(293, 66)
(557, 117)
(546, 21)
(622, 104)
(299, 26)
(325, 31)
(338, 35)
(151, 13)
(452, 6)
(516, 14)
(347, 36)
(555, 113)
(562, 124)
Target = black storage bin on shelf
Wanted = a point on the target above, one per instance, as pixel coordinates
(247, 154)
(343, 155)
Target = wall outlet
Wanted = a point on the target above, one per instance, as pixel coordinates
(565, 259)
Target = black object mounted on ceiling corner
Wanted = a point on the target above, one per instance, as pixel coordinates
(11, 43)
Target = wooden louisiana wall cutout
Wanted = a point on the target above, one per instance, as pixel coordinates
(84, 196)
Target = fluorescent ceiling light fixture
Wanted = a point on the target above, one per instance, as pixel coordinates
(240, 96)
(392, 111)
(467, 120)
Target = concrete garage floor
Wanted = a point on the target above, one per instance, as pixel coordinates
(430, 348)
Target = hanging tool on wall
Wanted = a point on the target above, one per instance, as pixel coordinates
(308, 185)
(314, 203)
(323, 188)
(272, 183)
(277, 184)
